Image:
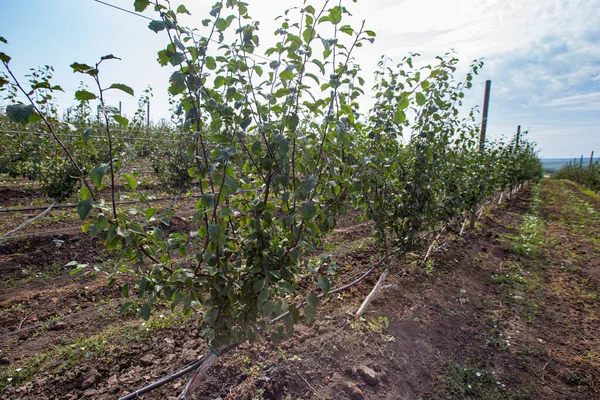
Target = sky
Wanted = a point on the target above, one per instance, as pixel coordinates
(542, 56)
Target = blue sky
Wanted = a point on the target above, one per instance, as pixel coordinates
(543, 56)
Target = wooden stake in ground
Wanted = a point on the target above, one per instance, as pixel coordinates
(486, 107)
(371, 295)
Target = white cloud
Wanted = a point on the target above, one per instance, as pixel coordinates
(582, 102)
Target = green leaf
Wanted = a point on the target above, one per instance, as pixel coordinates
(267, 308)
(156, 26)
(137, 228)
(145, 312)
(214, 231)
(309, 34)
(246, 122)
(121, 120)
(125, 306)
(109, 57)
(122, 87)
(347, 29)
(3, 40)
(97, 173)
(182, 10)
(151, 212)
(293, 122)
(309, 211)
(78, 269)
(176, 59)
(308, 184)
(259, 285)
(286, 75)
(312, 299)
(221, 24)
(370, 33)
(84, 193)
(131, 181)
(421, 99)
(84, 95)
(85, 136)
(35, 117)
(294, 313)
(84, 69)
(141, 5)
(125, 290)
(263, 296)
(208, 200)
(399, 117)
(83, 208)
(4, 57)
(324, 284)
(267, 163)
(211, 63)
(19, 113)
(335, 15)
(310, 314)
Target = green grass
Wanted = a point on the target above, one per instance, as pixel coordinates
(530, 241)
(473, 382)
(521, 280)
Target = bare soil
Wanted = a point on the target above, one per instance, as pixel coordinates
(449, 328)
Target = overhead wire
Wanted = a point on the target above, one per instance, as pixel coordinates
(7, 132)
(193, 34)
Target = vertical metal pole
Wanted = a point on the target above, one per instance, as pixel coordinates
(120, 113)
(148, 115)
(591, 160)
(486, 108)
(581, 162)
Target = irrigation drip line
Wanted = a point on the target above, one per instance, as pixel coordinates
(26, 235)
(191, 367)
(198, 364)
(194, 196)
(72, 228)
(28, 222)
(46, 324)
(187, 369)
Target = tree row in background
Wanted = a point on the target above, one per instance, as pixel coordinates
(276, 151)
(587, 176)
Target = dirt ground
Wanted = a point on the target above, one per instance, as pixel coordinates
(508, 311)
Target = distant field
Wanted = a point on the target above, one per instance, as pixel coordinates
(554, 164)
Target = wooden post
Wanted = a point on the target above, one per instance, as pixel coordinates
(591, 160)
(518, 137)
(581, 162)
(148, 115)
(486, 107)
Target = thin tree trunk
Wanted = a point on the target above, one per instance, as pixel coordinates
(28, 222)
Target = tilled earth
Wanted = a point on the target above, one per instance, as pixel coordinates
(480, 319)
